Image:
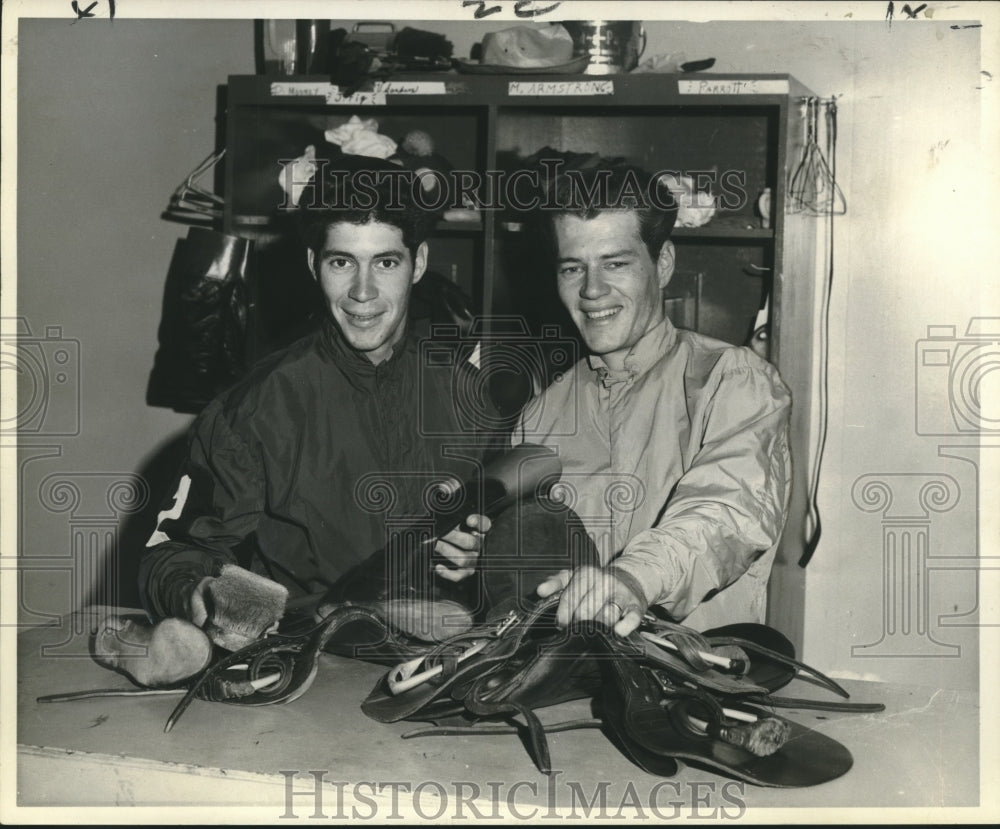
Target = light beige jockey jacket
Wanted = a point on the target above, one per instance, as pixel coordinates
(678, 466)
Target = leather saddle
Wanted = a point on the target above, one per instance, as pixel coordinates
(663, 694)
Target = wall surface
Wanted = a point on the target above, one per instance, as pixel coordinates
(112, 118)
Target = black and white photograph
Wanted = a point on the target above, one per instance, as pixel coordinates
(511, 411)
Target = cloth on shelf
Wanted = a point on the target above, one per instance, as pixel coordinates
(694, 207)
(358, 137)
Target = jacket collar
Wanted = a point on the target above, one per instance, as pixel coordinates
(652, 346)
(356, 366)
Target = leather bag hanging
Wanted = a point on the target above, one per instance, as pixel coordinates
(203, 326)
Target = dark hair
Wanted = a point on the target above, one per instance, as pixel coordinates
(586, 193)
(366, 192)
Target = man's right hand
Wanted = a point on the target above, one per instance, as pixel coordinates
(461, 547)
(595, 593)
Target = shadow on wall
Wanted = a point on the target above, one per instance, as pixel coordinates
(123, 555)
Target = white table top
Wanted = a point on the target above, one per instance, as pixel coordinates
(921, 752)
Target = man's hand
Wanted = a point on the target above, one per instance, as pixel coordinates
(594, 593)
(461, 548)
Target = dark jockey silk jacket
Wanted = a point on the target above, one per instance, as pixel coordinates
(297, 472)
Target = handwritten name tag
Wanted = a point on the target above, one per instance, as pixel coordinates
(280, 90)
(561, 88)
(731, 86)
(410, 87)
(329, 92)
(358, 98)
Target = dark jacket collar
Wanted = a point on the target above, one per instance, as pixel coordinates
(355, 366)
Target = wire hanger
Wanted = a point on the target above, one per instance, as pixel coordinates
(813, 188)
(191, 202)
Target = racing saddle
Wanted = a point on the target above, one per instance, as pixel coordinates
(665, 693)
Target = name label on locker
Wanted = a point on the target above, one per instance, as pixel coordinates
(561, 88)
(732, 86)
(410, 87)
(328, 91)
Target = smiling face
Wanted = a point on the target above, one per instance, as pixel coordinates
(366, 274)
(609, 284)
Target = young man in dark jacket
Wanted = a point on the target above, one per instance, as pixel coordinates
(299, 474)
